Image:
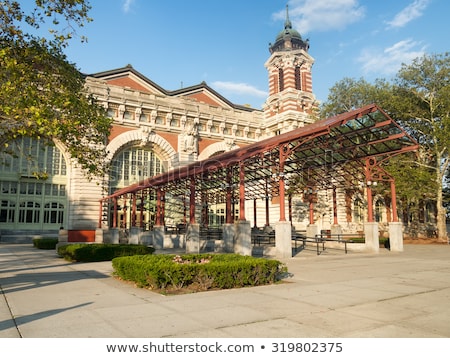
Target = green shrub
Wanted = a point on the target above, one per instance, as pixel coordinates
(101, 252)
(45, 243)
(205, 271)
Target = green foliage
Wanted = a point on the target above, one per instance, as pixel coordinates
(205, 271)
(101, 252)
(45, 243)
(349, 94)
(419, 100)
(42, 95)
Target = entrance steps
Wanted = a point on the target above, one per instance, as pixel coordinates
(25, 236)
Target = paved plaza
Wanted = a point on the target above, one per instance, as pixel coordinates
(387, 294)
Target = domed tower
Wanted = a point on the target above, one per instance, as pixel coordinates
(291, 102)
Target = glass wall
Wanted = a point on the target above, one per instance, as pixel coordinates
(33, 183)
(130, 166)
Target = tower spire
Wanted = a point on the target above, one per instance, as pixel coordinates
(287, 22)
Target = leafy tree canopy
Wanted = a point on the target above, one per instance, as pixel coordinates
(42, 95)
(419, 99)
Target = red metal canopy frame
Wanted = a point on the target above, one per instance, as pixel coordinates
(339, 151)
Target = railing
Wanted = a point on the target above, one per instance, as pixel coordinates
(303, 239)
(320, 240)
(211, 233)
(259, 238)
(175, 229)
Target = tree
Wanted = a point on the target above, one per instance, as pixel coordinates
(42, 95)
(414, 185)
(349, 94)
(421, 103)
(419, 99)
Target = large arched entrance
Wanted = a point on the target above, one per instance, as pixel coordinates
(130, 165)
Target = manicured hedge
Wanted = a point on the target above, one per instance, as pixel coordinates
(101, 252)
(204, 271)
(45, 243)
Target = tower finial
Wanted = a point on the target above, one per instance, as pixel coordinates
(287, 23)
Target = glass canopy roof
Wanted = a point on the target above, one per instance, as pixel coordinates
(328, 153)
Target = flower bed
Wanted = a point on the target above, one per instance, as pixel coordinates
(197, 272)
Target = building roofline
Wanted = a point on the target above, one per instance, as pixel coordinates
(174, 93)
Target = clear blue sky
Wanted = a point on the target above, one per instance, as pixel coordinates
(179, 43)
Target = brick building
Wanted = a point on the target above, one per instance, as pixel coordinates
(156, 130)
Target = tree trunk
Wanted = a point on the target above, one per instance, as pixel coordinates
(441, 221)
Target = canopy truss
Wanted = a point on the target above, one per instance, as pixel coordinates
(339, 151)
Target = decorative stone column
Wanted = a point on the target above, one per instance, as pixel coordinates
(98, 236)
(396, 236)
(311, 231)
(336, 230)
(228, 235)
(135, 233)
(114, 234)
(158, 237)
(243, 244)
(63, 237)
(146, 238)
(283, 239)
(193, 238)
(371, 236)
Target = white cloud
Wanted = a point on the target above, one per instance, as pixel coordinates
(127, 5)
(238, 88)
(409, 13)
(322, 15)
(389, 60)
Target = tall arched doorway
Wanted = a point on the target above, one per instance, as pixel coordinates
(129, 166)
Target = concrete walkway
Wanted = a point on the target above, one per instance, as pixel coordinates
(388, 294)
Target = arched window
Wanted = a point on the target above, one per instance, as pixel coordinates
(358, 211)
(32, 157)
(133, 164)
(33, 174)
(298, 79)
(130, 166)
(281, 79)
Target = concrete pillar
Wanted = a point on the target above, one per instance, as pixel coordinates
(63, 237)
(158, 237)
(146, 238)
(283, 239)
(135, 235)
(243, 243)
(228, 235)
(312, 230)
(371, 236)
(98, 236)
(193, 239)
(114, 235)
(396, 236)
(106, 236)
(336, 230)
